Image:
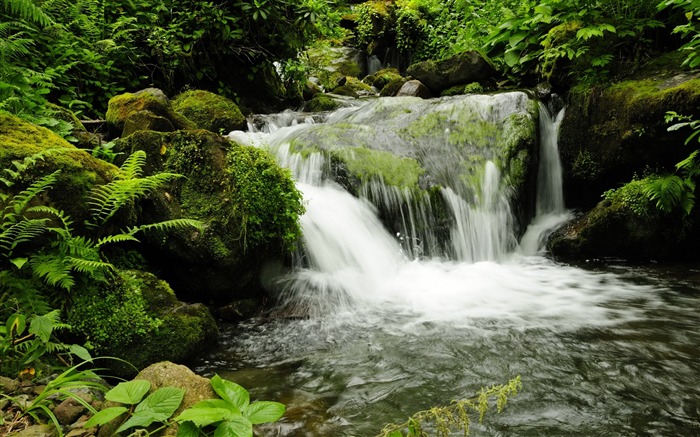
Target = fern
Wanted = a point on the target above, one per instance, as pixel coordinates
(18, 233)
(27, 10)
(106, 200)
(169, 224)
(53, 270)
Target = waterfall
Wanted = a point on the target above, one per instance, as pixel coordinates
(358, 249)
(550, 209)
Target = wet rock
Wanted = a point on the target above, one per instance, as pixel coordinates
(70, 409)
(146, 120)
(154, 100)
(414, 88)
(210, 111)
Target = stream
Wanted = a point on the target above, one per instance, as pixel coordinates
(603, 348)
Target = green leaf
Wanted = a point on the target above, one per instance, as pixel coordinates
(162, 403)
(206, 416)
(16, 324)
(80, 352)
(395, 433)
(104, 416)
(130, 392)
(42, 326)
(142, 420)
(515, 39)
(216, 403)
(19, 262)
(231, 392)
(512, 58)
(238, 427)
(187, 429)
(264, 411)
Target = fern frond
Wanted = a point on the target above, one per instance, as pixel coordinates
(665, 191)
(118, 238)
(23, 295)
(20, 201)
(169, 225)
(87, 266)
(133, 165)
(21, 232)
(26, 10)
(53, 270)
(106, 200)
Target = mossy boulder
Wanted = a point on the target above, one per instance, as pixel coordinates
(353, 87)
(464, 67)
(146, 120)
(625, 225)
(364, 165)
(154, 100)
(210, 111)
(138, 318)
(79, 171)
(250, 207)
(392, 88)
(612, 132)
(321, 103)
(382, 77)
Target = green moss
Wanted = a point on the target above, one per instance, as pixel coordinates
(79, 171)
(393, 87)
(353, 87)
(367, 164)
(320, 103)
(382, 77)
(136, 317)
(120, 107)
(210, 111)
(265, 198)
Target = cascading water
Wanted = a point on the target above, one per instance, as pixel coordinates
(394, 324)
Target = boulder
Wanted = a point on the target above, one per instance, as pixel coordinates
(414, 88)
(382, 77)
(210, 111)
(462, 68)
(612, 132)
(154, 100)
(249, 205)
(79, 171)
(353, 87)
(393, 87)
(138, 318)
(320, 103)
(146, 120)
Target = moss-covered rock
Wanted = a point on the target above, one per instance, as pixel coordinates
(79, 171)
(465, 67)
(122, 106)
(612, 132)
(625, 225)
(366, 164)
(392, 88)
(249, 204)
(472, 88)
(210, 111)
(146, 120)
(136, 317)
(353, 87)
(382, 77)
(321, 103)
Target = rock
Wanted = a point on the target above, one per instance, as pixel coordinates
(321, 103)
(612, 132)
(353, 87)
(465, 67)
(122, 106)
(393, 87)
(330, 64)
(250, 207)
(70, 410)
(414, 88)
(382, 77)
(310, 90)
(79, 171)
(210, 111)
(146, 120)
(139, 319)
(8, 385)
(167, 374)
